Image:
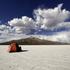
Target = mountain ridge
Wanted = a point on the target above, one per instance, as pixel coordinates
(34, 41)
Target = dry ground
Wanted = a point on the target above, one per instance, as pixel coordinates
(48, 57)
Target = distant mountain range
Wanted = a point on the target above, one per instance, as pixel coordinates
(34, 41)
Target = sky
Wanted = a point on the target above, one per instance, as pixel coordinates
(10, 9)
(50, 18)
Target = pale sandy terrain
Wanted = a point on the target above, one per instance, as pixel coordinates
(56, 57)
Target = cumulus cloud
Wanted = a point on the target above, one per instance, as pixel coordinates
(50, 18)
(63, 25)
(61, 37)
(47, 19)
(22, 25)
(5, 29)
(58, 36)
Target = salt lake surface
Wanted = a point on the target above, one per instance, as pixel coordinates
(47, 57)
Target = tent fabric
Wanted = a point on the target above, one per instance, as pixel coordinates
(14, 47)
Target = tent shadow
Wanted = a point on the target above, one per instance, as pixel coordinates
(23, 51)
(19, 51)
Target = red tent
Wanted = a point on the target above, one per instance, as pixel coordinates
(14, 47)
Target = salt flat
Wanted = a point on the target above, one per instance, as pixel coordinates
(48, 57)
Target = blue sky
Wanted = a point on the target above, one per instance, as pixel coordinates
(10, 9)
(50, 18)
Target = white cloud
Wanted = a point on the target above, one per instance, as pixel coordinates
(65, 25)
(4, 29)
(50, 18)
(22, 25)
(58, 36)
(62, 37)
(53, 18)
(9, 37)
(47, 19)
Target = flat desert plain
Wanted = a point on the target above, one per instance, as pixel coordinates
(36, 57)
